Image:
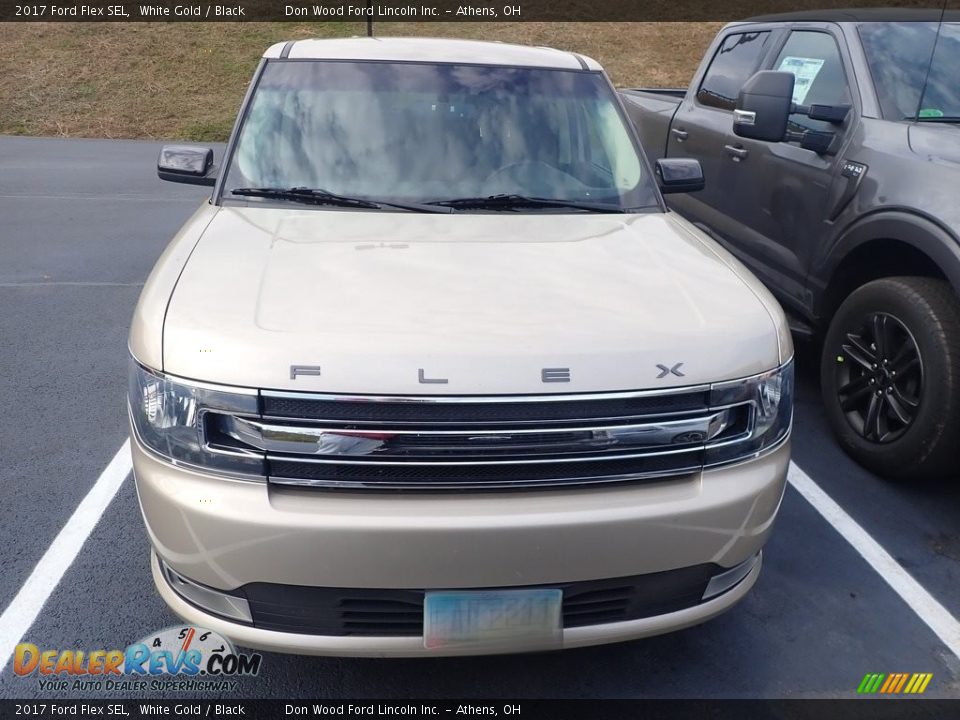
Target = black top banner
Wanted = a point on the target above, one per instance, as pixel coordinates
(445, 10)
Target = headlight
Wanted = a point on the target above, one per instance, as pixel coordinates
(769, 398)
(168, 418)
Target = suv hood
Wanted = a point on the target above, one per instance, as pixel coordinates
(484, 301)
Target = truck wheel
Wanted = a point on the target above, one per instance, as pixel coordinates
(890, 377)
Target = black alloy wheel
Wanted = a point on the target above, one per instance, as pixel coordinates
(880, 378)
(890, 377)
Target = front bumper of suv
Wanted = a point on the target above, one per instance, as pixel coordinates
(657, 556)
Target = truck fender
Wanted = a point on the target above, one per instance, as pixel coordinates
(925, 234)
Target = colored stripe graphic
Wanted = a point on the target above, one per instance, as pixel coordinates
(918, 683)
(894, 683)
(870, 683)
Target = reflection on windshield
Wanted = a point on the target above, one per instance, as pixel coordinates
(899, 54)
(423, 132)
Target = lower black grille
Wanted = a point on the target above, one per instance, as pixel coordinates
(335, 611)
(382, 613)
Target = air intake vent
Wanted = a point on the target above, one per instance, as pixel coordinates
(382, 613)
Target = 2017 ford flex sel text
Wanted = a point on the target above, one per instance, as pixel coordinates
(435, 371)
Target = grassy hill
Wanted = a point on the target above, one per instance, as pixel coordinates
(186, 80)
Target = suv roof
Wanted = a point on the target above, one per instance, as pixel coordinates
(446, 50)
(858, 15)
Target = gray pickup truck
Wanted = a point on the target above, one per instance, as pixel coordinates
(830, 145)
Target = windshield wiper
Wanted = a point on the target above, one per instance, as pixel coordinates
(509, 201)
(319, 196)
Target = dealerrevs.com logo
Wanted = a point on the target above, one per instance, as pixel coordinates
(177, 658)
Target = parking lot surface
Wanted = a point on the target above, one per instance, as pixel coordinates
(81, 224)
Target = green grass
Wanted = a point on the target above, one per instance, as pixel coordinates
(186, 80)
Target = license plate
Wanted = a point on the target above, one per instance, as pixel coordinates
(512, 620)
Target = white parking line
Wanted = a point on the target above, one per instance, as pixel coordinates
(23, 610)
(927, 608)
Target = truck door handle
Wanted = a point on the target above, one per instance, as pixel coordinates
(681, 135)
(737, 153)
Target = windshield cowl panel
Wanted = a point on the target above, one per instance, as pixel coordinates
(421, 134)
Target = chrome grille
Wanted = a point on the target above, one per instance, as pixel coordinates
(360, 409)
(475, 443)
(479, 476)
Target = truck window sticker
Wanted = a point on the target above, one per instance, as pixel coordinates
(805, 70)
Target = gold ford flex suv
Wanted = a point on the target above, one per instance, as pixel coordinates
(435, 372)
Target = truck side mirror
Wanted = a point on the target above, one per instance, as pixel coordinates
(186, 164)
(763, 106)
(679, 175)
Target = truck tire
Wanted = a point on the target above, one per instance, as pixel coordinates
(890, 377)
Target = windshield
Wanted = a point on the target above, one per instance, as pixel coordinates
(412, 132)
(899, 54)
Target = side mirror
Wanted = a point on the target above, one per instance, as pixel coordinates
(186, 164)
(763, 106)
(836, 114)
(679, 175)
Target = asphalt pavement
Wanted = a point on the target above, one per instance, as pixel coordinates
(81, 224)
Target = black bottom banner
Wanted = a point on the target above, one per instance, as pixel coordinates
(867, 709)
